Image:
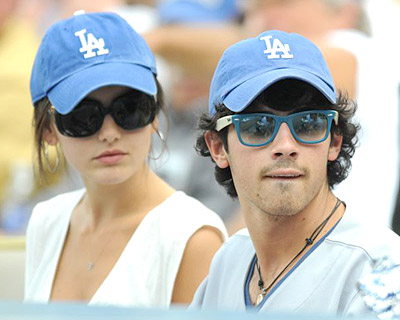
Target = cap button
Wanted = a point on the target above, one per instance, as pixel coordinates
(79, 12)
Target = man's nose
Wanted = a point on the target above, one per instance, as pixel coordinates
(284, 143)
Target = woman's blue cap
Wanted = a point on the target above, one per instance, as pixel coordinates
(87, 52)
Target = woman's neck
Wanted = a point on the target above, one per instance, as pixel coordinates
(135, 196)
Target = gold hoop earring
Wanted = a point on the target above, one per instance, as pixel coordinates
(52, 169)
(163, 146)
(161, 136)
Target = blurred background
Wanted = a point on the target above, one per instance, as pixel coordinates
(359, 39)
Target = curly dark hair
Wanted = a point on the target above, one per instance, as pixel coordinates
(287, 95)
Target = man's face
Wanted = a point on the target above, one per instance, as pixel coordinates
(283, 177)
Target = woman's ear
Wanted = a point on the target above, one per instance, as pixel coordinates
(50, 136)
(154, 125)
(217, 149)
(335, 147)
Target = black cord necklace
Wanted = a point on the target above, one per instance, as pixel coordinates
(309, 241)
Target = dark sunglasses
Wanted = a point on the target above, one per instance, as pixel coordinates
(131, 111)
(259, 129)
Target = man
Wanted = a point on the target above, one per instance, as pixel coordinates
(281, 139)
(340, 28)
(344, 25)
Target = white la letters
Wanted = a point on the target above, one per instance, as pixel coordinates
(91, 43)
(276, 46)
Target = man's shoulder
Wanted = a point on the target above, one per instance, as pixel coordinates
(374, 240)
(224, 285)
(241, 238)
(239, 244)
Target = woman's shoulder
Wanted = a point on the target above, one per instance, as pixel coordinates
(184, 211)
(186, 207)
(49, 211)
(183, 203)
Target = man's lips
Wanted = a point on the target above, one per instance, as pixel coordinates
(284, 174)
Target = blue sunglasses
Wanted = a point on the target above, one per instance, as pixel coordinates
(259, 129)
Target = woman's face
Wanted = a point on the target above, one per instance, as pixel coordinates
(112, 155)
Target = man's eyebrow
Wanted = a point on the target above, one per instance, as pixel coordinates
(270, 110)
(307, 108)
(258, 109)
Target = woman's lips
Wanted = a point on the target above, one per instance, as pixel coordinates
(110, 157)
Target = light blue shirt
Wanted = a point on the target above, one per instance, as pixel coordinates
(322, 282)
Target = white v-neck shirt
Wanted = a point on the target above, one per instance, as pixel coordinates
(143, 276)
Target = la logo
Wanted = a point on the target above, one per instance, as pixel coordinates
(90, 44)
(275, 47)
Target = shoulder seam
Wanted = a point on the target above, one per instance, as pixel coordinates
(351, 246)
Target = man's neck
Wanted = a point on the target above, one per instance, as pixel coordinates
(280, 242)
(277, 239)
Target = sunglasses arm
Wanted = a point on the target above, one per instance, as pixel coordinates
(336, 118)
(223, 122)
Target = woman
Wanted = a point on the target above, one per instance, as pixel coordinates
(127, 238)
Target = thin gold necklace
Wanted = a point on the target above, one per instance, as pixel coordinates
(309, 242)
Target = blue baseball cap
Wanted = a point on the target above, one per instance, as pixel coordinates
(250, 66)
(197, 11)
(87, 52)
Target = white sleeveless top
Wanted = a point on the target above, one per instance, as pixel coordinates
(145, 273)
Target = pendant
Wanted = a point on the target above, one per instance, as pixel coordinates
(260, 298)
(90, 266)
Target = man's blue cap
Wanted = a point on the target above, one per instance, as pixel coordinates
(87, 52)
(197, 11)
(250, 66)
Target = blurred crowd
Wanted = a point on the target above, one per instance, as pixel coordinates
(358, 39)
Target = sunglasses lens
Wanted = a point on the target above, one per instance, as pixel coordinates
(256, 129)
(310, 127)
(133, 111)
(83, 121)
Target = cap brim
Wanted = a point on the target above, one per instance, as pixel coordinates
(70, 91)
(241, 96)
